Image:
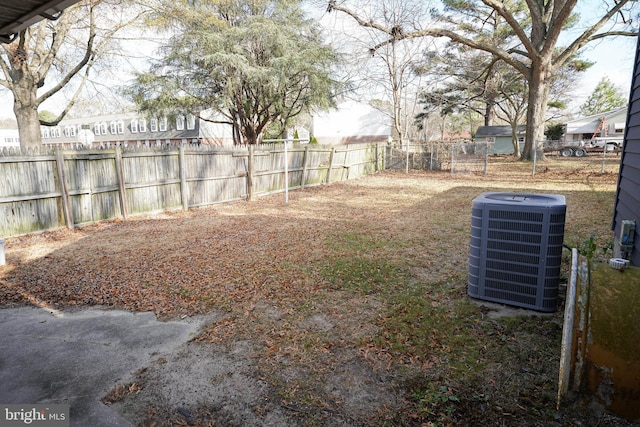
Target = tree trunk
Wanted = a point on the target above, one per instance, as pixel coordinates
(25, 108)
(489, 108)
(514, 139)
(537, 109)
(489, 113)
(250, 134)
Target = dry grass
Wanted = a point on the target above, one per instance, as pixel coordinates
(367, 274)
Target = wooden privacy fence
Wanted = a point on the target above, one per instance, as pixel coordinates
(45, 191)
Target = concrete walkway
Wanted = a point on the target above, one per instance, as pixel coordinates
(77, 357)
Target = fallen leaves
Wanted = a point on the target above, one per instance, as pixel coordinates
(306, 282)
(120, 391)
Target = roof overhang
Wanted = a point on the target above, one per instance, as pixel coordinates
(16, 15)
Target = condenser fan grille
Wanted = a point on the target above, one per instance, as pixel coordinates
(516, 249)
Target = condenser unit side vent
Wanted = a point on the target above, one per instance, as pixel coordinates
(516, 249)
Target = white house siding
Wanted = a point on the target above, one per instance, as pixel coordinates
(351, 122)
(9, 138)
(215, 133)
(585, 127)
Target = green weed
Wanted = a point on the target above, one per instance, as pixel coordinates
(364, 275)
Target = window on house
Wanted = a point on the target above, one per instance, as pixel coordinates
(153, 125)
(113, 127)
(69, 131)
(55, 132)
(142, 125)
(163, 124)
(120, 126)
(134, 126)
(191, 121)
(103, 128)
(96, 128)
(44, 132)
(180, 122)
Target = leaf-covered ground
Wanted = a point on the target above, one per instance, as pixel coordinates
(350, 299)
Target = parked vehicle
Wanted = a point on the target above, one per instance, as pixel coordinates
(611, 144)
(582, 148)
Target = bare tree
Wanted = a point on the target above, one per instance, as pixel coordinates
(536, 57)
(54, 55)
(388, 74)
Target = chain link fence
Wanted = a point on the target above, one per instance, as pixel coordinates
(457, 157)
(474, 157)
(433, 156)
(470, 157)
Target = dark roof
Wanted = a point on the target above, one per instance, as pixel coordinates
(16, 15)
(484, 131)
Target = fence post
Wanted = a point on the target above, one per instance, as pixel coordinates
(346, 165)
(333, 150)
(452, 158)
(64, 192)
(122, 191)
(407, 159)
(431, 157)
(286, 172)
(250, 174)
(184, 190)
(304, 165)
(486, 158)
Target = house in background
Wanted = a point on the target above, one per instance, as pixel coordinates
(500, 137)
(9, 138)
(610, 123)
(212, 131)
(123, 128)
(351, 122)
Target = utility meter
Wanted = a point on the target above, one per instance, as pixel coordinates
(627, 233)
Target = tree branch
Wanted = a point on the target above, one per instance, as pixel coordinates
(57, 40)
(433, 32)
(590, 35)
(370, 24)
(613, 33)
(500, 8)
(557, 24)
(88, 56)
(5, 69)
(72, 102)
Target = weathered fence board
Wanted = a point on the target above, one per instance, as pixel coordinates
(215, 176)
(44, 191)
